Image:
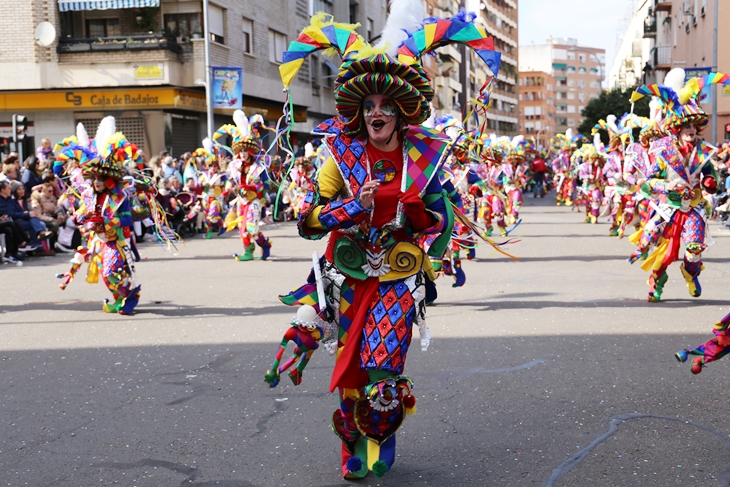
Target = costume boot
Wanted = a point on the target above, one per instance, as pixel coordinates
(354, 452)
(458, 274)
(446, 266)
(130, 302)
(656, 285)
(691, 272)
(247, 254)
(265, 245)
(113, 307)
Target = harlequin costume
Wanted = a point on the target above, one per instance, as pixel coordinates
(301, 176)
(512, 177)
(488, 191)
(373, 270)
(589, 163)
(680, 221)
(563, 145)
(105, 216)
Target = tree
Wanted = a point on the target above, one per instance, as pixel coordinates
(614, 102)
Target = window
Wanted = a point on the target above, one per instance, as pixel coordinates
(354, 7)
(582, 58)
(582, 96)
(183, 24)
(571, 95)
(571, 82)
(571, 69)
(216, 17)
(571, 108)
(103, 28)
(571, 56)
(561, 121)
(529, 111)
(277, 46)
(538, 111)
(582, 70)
(316, 6)
(581, 83)
(247, 26)
(371, 28)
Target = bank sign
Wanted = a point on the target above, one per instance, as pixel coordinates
(227, 87)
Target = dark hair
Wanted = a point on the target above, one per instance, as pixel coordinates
(11, 158)
(3, 184)
(31, 162)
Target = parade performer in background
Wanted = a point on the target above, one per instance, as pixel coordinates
(245, 213)
(590, 173)
(376, 194)
(617, 199)
(681, 172)
(563, 145)
(513, 177)
(488, 191)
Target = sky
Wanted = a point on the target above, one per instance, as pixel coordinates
(594, 23)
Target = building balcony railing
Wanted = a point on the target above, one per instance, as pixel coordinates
(663, 6)
(109, 44)
(663, 56)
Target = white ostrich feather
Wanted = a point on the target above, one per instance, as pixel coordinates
(675, 79)
(611, 122)
(655, 107)
(241, 121)
(82, 135)
(405, 16)
(569, 134)
(597, 140)
(517, 140)
(208, 145)
(107, 128)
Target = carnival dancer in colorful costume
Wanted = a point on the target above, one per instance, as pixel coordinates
(563, 146)
(376, 194)
(616, 194)
(247, 170)
(488, 191)
(513, 176)
(589, 163)
(106, 217)
(681, 172)
(245, 213)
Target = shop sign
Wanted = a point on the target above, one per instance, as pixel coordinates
(149, 71)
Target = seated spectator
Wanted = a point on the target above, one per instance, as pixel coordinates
(166, 198)
(31, 226)
(10, 173)
(32, 175)
(175, 186)
(15, 245)
(168, 169)
(45, 203)
(69, 236)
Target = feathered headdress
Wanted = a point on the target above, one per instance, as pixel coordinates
(112, 151)
(680, 98)
(368, 70)
(245, 134)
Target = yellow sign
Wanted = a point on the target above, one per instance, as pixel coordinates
(97, 100)
(149, 71)
(725, 90)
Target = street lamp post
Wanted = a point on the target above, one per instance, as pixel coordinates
(208, 83)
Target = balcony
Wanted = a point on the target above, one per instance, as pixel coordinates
(116, 44)
(663, 6)
(650, 27)
(663, 57)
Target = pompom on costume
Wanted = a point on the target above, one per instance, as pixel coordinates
(713, 349)
(680, 173)
(373, 270)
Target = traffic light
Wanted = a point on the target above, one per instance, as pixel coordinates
(19, 126)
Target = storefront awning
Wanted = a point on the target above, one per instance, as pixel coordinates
(71, 5)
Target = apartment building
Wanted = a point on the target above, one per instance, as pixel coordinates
(143, 61)
(458, 75)
(683, 32)
(578, 72)
(632, 64)
(537, 106)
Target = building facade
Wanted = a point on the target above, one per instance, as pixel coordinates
(632, 64)
(578, 72)
(683, 32)
(144, 65)
(458, 75)
(537, 106)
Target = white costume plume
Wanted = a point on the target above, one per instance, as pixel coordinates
(611, 122)
(241, 121)
(405, 16)
(82, 135)
(107, 128)
(675, 79)
(208, 145)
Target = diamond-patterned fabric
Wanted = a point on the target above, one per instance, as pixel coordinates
(387, 332)
(424, 149)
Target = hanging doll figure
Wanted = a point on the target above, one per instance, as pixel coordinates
(245, 213)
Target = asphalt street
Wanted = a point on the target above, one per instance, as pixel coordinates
(550, 371)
